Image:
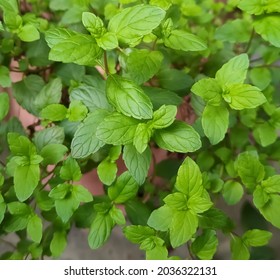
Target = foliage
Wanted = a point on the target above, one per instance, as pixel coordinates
(121, 80)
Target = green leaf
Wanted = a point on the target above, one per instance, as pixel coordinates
(244, 96)
(53, 153)
(128, 98)
(137, 164)
(19, 208)
(5, 80)
(100, 230)
(164, 116)
(58, 243)
(81, 194)
(77, 111)
(54, 112)
(209, 90)
(117, 129)
(183, 225)
(142, 137)
(50, 135)
(108, 41)
(56, 36)
(2, 209)
(94, 97)
(271, 210)
(215, 121)
(85, 141)
(176, 201)
(50, 94)
(20, 145)
(260, 197)
(137, 234)
(250, 170)
(123, 189)
(60, 191)
(137, 211)
(260, 77)
(79, 48)
(4, 105)
(267, 27)
(117, 215)
(93, 24)
(189, 178)
(70, 170)
(179, 137)
(205, 245)
(131, 24)
(232, 192)
(142, 65)
(265, 134)
(35, 229)
(184, 41)
(239, 250)
(256, 237)
(272, 184)
(26, 179)
(199, 204)
(234, 71)
(258, 7)
(161, 218)
(107, 172)
(234, 31)
(157, 253)
(28, 33)
(9, 6)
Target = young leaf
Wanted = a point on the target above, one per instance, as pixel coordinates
(108, 41)
(137, 164)
(265, 134)
(189, 178)
(142, 65)
(260, 197)
(28, 33)
(232, 192)
(58, 243)
(85, 141)
(244, 97)
(117, 129)
(107, 171)
(256, 237)
(272, 184)
(20, 145)
(5, 80)
(199, 204)
(35, 229)
(205, 245)
(258, 7)
(128, 98)
(81, 194)
(142, 137)
(117, 215)
(54, 112)
(77, 111)
(53, 153)
(176, 201)
(239, 250)
(184, 41)
(4, 105)
(161, 218)
(100, 230)
(182, 227)
(123, 189)
(215, 121)
(60, 191)
(93, 24)
(26, 179)
(70, 170)
(131, 24)
(164, 116)
(234, 71)
(137, 234)
(179, 137)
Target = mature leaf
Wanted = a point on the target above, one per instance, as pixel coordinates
(107, 171)
(55, 36)
(234, 71)
(4, 105)
(179, 137)
(5, 80)
(189, 178)
(260, 77)
(58, 243)
(250, 170)
(244, 96)
(81, 194)
(210, 91)
(199, 204)
(142, 65)
(53, 153)
(183, 225)
(28, 33)
(35, 229)
(215, 121)
(70, 170)
(100, 230)
(164, 116)
(260, 197)
(128, 98)
(272, 184)
(271, 210)
(137, 234)
(123, 189)
(256, 237)
(137, 164)
(131, 24)
(265, 134)
(26, 179)
(54, 112)
(258, 7)
(232, 192)
(20, 145)
(9, 6)
(85, 141)
(268, 27)
(184, 41)
(79, 48)
(239, 250)
(117, 129)
(205, 245)
(93, 97)
(161, 218)
(60, 191)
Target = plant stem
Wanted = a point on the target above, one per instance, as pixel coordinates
(250, 41)
(106, 64)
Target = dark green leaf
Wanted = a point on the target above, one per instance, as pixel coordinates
(53, 153)
(5, 80)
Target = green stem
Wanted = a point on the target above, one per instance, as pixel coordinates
(106, 64)
(250, 41)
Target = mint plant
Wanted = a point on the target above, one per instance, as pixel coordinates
(123, 80)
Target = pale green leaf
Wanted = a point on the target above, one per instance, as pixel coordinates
(58, 243)
(258, 7)
(28, 33)
(35, 229)
(163, 117)
(54, 112)
(53, 153)
(260, 77)
(271, 210)
(4, 105)
(5, 79)
(272, 184)
(256, 237)
(199, 204)
(81, 194)
(128, 98)
(215, 121)
(179, 137)
(107, 172)
(93, 24)
(265, 134)
(142, 137)
(239, 250)
(137, 234)
(70, 170)
(232, 192)
(161, 218)
(77, 111)
(108, 41)
(117, 215)
(55, 36)
(176, 201)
